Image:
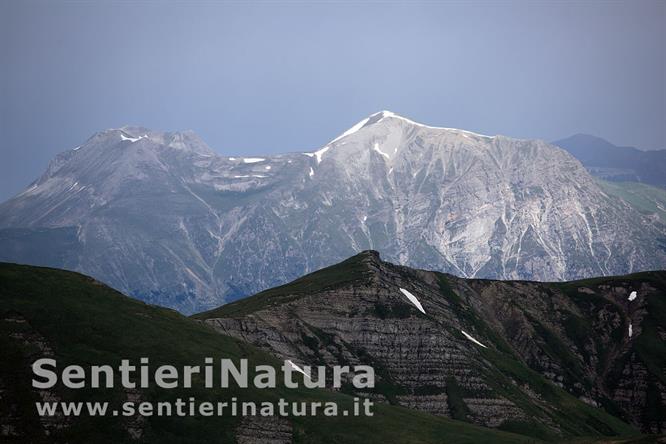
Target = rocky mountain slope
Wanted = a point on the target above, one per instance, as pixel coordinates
(549, 360)
(77, 320)
(161, 217)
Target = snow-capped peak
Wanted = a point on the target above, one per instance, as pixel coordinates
(381, 115)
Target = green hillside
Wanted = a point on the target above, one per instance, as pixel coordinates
(81, 321)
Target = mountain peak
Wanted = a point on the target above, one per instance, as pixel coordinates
(588, 139)
(367, 257)
(132, 129)
(369, 254)
(180, 140)
(383, 115)
(444, 199)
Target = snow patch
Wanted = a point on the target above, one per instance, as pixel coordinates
(318, 153)
(633, 296)
(376, 148)
(132, 139)
(631, 330)
(253, 175)
(472, 339)
(297, 368)
(413, 300)
(252, 159)
(311, 173)
(77, 148)
(268, 167)
(365, 218)
(232, 158)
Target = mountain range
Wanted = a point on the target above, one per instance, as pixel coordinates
(163, 218)
(617, 163)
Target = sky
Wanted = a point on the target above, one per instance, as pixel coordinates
(268, 77)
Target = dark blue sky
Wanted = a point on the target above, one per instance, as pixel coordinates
(255, 78)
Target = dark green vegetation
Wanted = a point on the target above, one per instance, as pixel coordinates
(83, 322)
(560, 352)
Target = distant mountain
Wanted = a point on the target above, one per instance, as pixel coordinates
(495, 353)
(163, 218)
(617, 163)
(76, 320)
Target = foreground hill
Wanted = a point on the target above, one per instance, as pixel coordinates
(76, 320)
(162, 218)
(549, 360)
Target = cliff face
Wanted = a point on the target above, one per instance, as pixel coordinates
(589, 338)
(502, 354)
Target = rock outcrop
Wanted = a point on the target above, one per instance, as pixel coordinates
(490, 352)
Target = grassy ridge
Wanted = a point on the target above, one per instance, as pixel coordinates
(84, 322)
(573, 417)
(328, 278)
